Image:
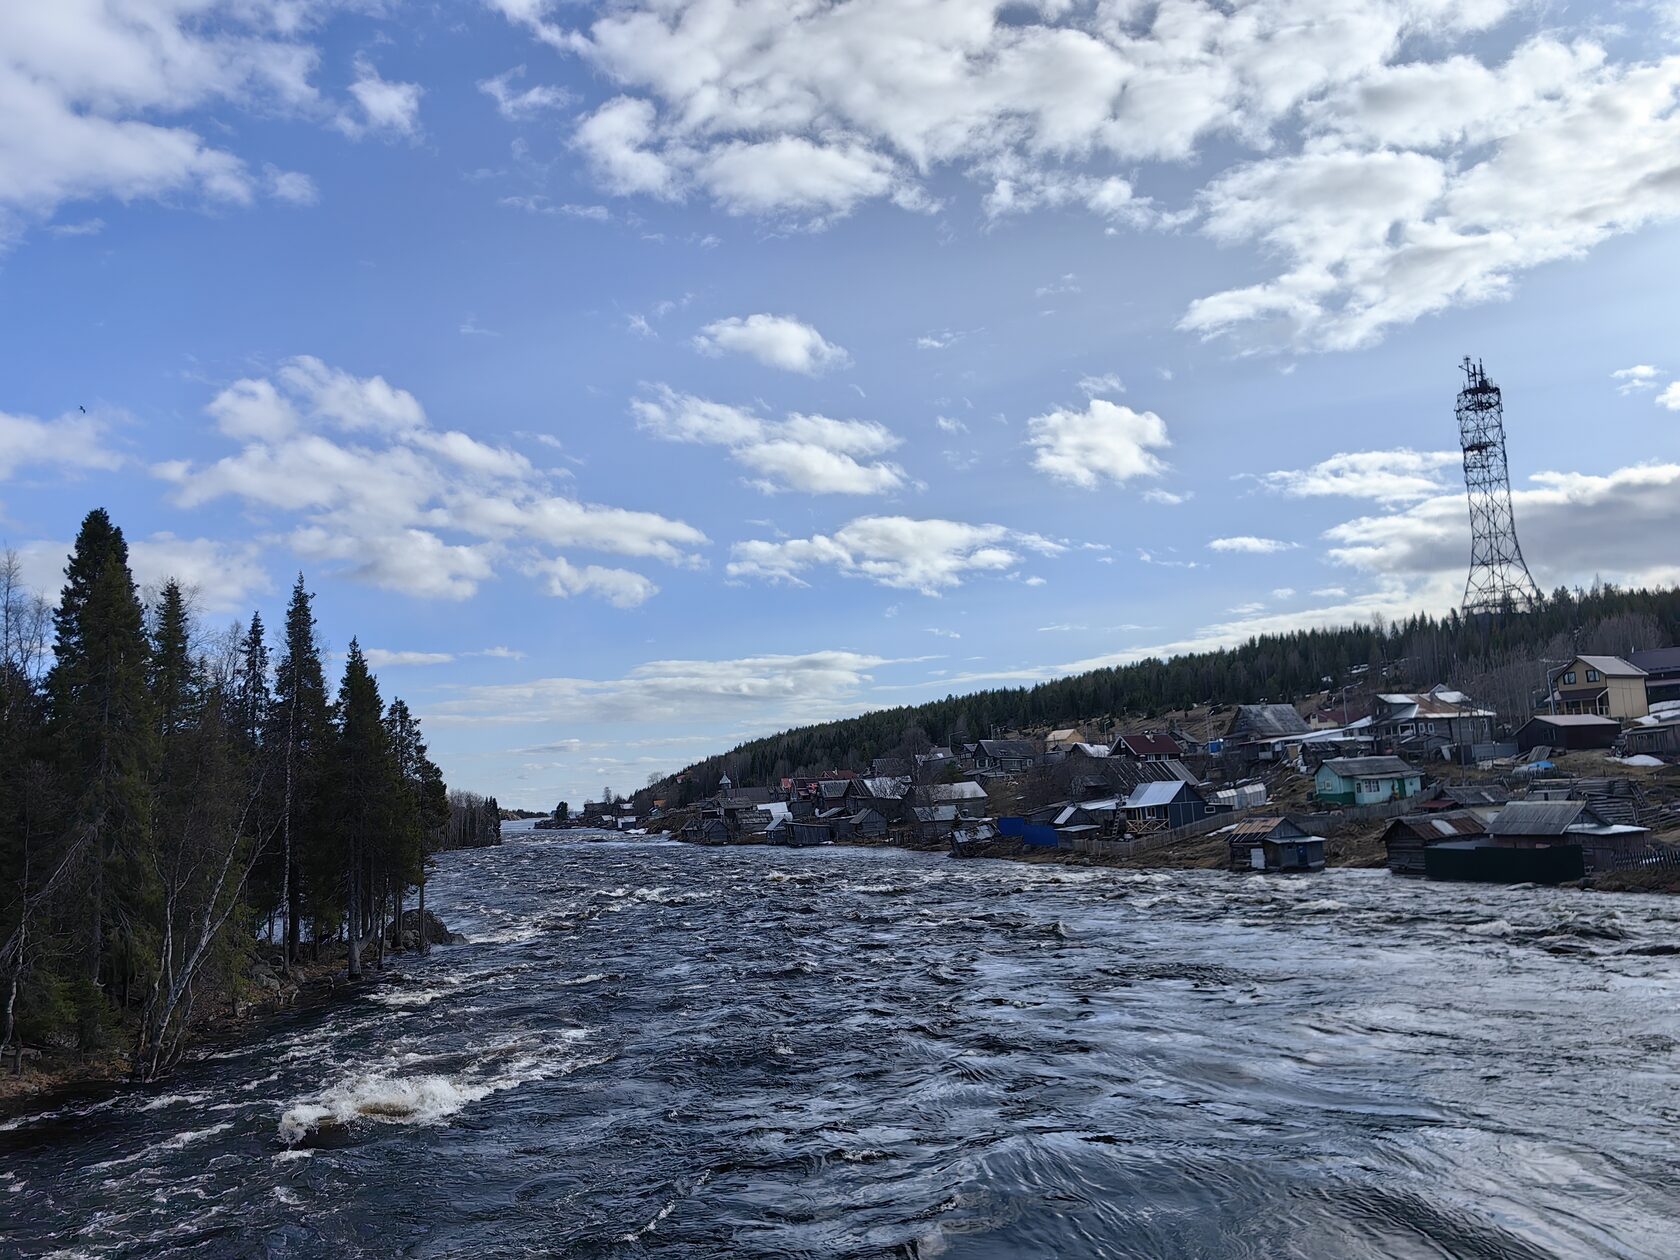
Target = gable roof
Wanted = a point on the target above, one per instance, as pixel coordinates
(1611, 666)
(1067, 735)
(1266, 721)
(1154, 795)
(956, 792)
(1444, 825)
(1573, 719)
(1150, 744)
(1368, 767)
(1008, 748)
(1260, 828)
(1539, 818)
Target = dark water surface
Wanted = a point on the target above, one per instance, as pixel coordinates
(653, 1049)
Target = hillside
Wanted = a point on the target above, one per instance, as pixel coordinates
(1499, 660)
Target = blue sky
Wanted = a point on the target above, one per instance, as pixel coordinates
(636, 378)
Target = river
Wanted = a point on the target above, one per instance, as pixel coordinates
(650, 1049)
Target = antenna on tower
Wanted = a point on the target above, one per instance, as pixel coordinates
(1499, 578)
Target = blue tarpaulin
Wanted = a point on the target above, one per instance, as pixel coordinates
(1028, 833)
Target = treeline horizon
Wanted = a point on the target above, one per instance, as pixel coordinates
(175, 808)
(1495, 658)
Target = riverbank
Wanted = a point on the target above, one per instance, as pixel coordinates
(266, 995)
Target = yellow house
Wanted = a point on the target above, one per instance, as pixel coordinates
(1604, 685)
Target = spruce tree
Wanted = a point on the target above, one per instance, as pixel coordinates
(297, 742)
(361, 770)
(104, 744)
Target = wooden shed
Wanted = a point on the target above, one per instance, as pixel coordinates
(1274, 844)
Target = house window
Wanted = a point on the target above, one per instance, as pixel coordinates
(1369, 785)
(1569, 679)
(1592, 675)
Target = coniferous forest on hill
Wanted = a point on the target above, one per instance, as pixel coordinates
(1500, 660)
(180, 805)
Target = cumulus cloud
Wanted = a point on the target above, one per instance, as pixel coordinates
(810, 453)
(1426, 186)
(385, 107)
(1104, 441)
(219, 577)
(929, 556)
(1398, 476)
(388, 499)
(1249, 545)
(778, 341)
(70, 442)
(1573, 526)
(382, 658)
(91, 96)
(1670, 397)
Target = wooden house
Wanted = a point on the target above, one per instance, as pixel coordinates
(1567, 732)
(1408, 836)
(1259, 732)
(1662, 673)
(1430, 723)
(1605, 686)
(1366, 781)
(1162, 806)
(1005, 756)
(1274, 844)
(970, 799)
(1148, 746)
(933, 822)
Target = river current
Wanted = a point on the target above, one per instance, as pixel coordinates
(651, 1049)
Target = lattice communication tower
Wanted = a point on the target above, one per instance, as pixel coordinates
(1499, 577)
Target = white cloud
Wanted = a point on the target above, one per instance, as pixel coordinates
(395, 503)
(1106, 440)
(1247, 544)
(810, 453)
(1539, 160)
(1398, 476)
(387, 108)
(1573, 527)
(1641, 376)
(382, 658)
(72, 441)
(520, 105)
(1165, 498)
(771, 691)
(91, 95)
(778, 341)
(219, 577)
(293, 187)
(1670, 397)
(929, 556)
(1107, 383)
(615, 139)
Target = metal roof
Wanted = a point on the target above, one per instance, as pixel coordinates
(1254, 828)
(1448, 824)
(1536, 818)
(1573, 719)
(1008, 748)
(1656, 660)
(1611, 666)
(956, 792)
(1152, 795)
(1150, 744)
(1367, 767)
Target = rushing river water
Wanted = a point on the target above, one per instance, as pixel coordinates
(653, 1049)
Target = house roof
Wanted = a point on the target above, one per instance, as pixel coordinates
(1149, 744)
(1368, 767)
(1091, 750)
(832, 789)
(1611, 666)
(956, 792)
(1573, 719)
(885, 787)
(1476, 793)
(1067, 735)
(1266, 721)
(1447, 825)
(1008, 748)
(1436, 703)
(1539, 818)
(934, 813)
(1152, 795)
(1257, 828)
(1656, 660)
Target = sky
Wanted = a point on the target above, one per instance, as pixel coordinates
(632, 379)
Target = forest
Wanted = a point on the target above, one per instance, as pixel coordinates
(178, 810)
(1498, 659)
